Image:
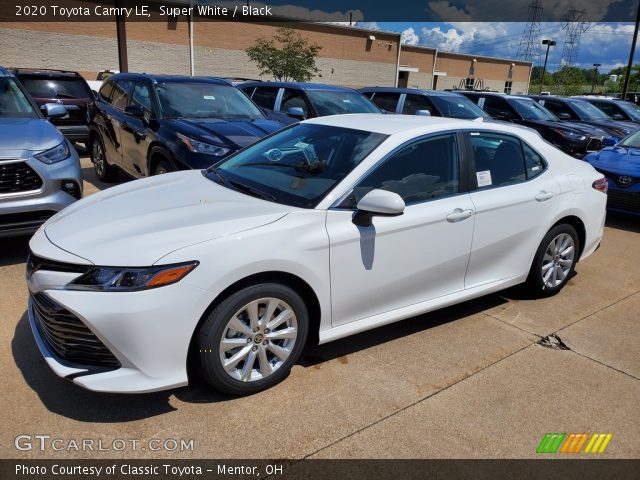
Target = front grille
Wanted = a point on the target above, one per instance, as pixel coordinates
(595, 144)
(35, 263)
(616, 178)
(68, 337)
(18, 177)
(624, 200)
(14, 221)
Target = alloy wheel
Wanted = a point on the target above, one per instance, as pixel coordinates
(258, 339)
(558, 260)
(98, 158)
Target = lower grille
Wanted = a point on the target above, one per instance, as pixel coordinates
(18, 177)
(595, 144)
(14, 221)
(67, 336)
(624, 200)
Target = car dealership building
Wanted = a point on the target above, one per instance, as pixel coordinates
(350, 56)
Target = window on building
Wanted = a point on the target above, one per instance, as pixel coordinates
(507, 87)
(469, 83)
(421, 171)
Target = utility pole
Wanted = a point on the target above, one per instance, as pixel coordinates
(549, 43)
(575, 27)
(595, 74)
(528, 49)
(631, 55)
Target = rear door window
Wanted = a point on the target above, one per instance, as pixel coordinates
(413, 103)
(121, 93)
(265, 97)
(499, 159)
(294, 98)
(105, 91)
(386, 100)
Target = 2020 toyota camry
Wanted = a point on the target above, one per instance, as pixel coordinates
(324, 229)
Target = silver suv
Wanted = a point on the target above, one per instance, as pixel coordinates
(39, 170)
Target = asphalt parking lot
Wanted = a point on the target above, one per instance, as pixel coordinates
(469, 381)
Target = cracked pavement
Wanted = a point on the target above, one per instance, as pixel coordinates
(469, 381)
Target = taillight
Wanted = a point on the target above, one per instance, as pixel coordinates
(602, 185)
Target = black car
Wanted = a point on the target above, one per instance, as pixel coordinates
(616, 108)
(578, 110)
(307, 100)
(151, 124)
(410, 101)
(65, 88)
(575, 139)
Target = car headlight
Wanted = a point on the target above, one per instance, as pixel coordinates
(201, 147)
(125, 279)
(569, 134)
(55, 154)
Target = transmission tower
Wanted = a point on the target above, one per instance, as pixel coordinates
(575, 27)
(529, 47)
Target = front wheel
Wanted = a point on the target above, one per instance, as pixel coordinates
(555, 260)
(251, 340)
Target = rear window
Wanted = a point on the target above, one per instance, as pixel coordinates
(49, 87)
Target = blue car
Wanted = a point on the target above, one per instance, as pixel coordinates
(621, 165)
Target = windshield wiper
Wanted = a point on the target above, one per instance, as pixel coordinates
(252, 191)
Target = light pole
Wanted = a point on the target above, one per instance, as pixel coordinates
(549, 43)
(595, 74)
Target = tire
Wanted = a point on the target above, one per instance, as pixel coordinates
(555, 260)
(163, 167)
(271, 359)
(104, 171)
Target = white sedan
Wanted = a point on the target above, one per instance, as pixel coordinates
(324, 229)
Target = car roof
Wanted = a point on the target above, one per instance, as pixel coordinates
(390, 124)
(4, 72)
(600, 99)
(298, 85)
(169, 78)
(45, 72)
(557, 97)
(419, 91)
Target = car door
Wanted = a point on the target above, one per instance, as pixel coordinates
(116, 115)
(134, 130)
(387, 101)
(406, 259)
(515, 201)
(104, 120)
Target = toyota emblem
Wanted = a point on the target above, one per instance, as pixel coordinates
(624, 180)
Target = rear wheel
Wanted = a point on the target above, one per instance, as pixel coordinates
(104, 171)
(252, 339)
(163, 167)
(555, 260)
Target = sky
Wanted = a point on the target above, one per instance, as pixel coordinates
(604, 43)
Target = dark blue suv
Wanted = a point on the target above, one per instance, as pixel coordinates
(151, 124)
(307, 100)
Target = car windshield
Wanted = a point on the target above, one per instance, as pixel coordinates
(47, 87)
(630, 109)
(328, 102)
(458, 107)
(586, 111)
(13, 102)
(297, 166)
(632, 141)
(531, 110)
(205, 100)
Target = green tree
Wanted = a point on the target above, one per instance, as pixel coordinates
(286, 56)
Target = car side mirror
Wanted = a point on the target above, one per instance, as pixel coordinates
(608, 142)
(424, 113)
(54, 110)
(378, 202)
(135, 111)
(563, 116)
(296, 112)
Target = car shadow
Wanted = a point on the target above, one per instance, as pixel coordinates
(620, 221)
(14, 250)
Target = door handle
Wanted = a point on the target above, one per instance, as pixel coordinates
(458, 215)
(543, 196)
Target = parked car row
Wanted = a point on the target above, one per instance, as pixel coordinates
(145, 124)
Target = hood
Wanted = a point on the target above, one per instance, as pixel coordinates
(618, 160)
(607, 125)
(234, 133)
(137, 223)
(31, 134)
(582, 128)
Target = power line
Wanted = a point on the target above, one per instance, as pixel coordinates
(529, 47)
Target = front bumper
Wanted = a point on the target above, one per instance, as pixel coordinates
(624, 200)
(23, 213)
(148, 332)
